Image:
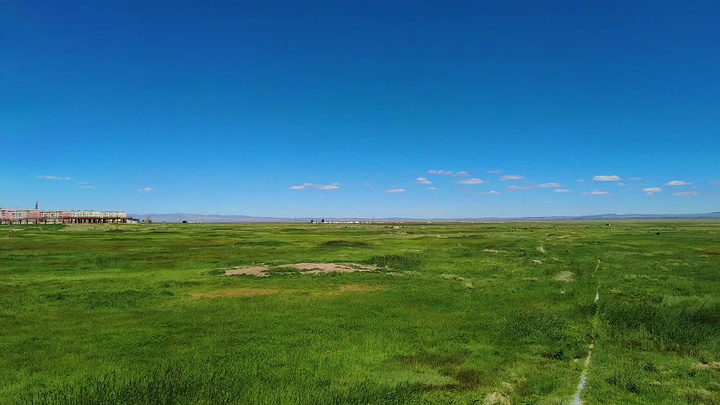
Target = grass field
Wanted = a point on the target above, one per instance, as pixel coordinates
(457, 313)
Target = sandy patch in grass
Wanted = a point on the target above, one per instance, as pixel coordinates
(494, 251)
(314, 268)
(257, 271)
(305, 268)
(237, 292)
(565, 276)
(541, 249)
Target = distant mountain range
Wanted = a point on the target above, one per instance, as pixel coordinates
(197, 218)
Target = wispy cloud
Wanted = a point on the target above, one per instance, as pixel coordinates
(562, 190)
(686, 194)
(494, 171)
(146, 190)
(606, 178)
(54, 178)
(307, 186)
(432, 188)
(581, 181)
(88, 187)
(471, 181)
(678, 183)
(396, 190)
(489, 193)
(597, 192)
(549, 185)
(83, 183)
(423, 180)
(621, 184)
(635, 178)
(511, 177)
(516, 188)
(716, 182)
(450, 173)
(652, 190)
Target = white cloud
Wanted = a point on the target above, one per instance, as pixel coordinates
(686, 194)
(450, 173)
(581, 181)
(607, 178)
(423, 180)
(146, 190)
(511, 177)
(494, 171)
(471, 181)
(54, 178)
(396, 190)
(562, 190)
(598, 192)
(489, 193)
(516, 188)
(652, 190)
(550, 185)
(306, 186)
(678, 183)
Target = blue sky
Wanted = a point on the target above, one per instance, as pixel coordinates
(231, 108)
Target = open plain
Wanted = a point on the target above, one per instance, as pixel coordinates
(495, 313)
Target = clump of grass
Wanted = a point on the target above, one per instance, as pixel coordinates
(396, 261)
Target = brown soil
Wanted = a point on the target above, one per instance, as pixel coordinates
(314, 268)
(237, 292)
(257, 271)
(305, 268)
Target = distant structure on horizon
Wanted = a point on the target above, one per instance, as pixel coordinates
(40, 217)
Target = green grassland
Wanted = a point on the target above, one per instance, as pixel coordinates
(500, 313)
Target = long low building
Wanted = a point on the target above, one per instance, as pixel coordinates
(36, 216)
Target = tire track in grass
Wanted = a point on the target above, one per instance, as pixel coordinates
(583, 378)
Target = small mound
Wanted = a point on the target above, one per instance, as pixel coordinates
(314, 268)
(565, 276)
(257, 271)
(305, 268)
(237, 292)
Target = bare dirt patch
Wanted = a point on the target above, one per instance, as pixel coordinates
(565, 276)
(315, 268)
(495, 398)
(237, 292)
(494, 251)
(257, 271)
(305, 268)
(541, 249)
